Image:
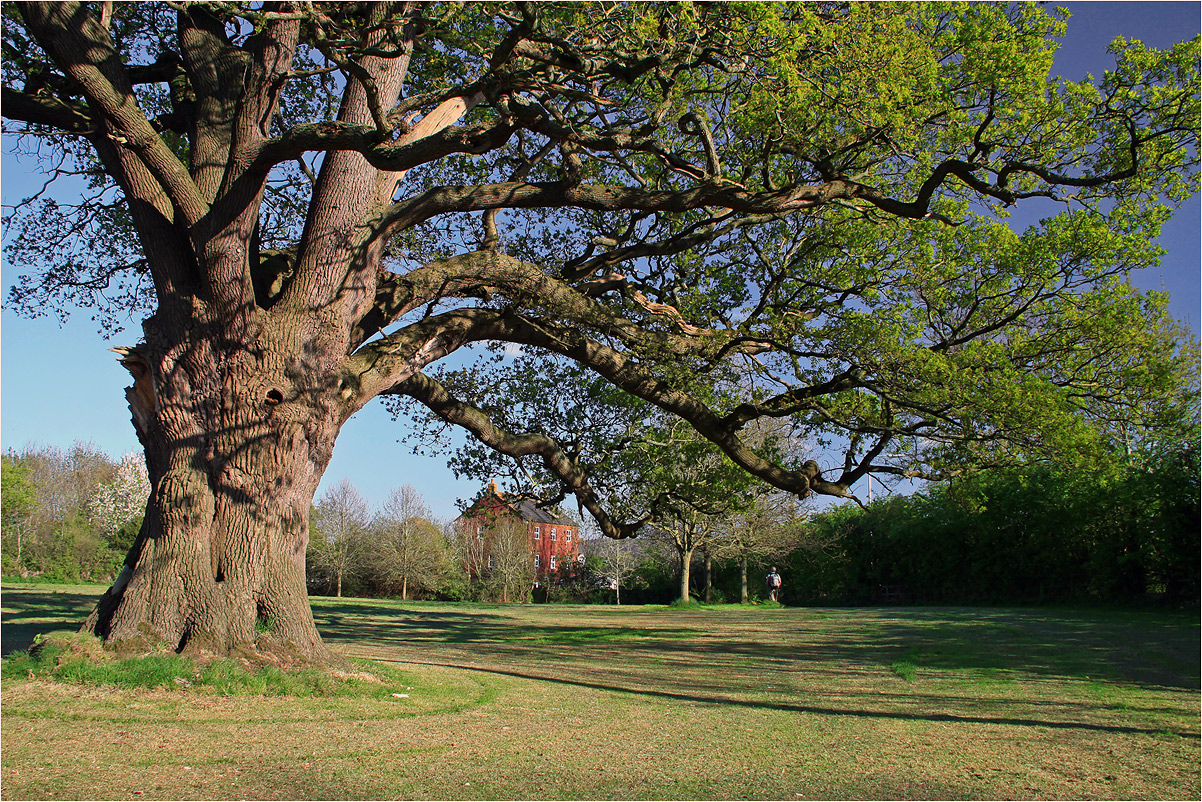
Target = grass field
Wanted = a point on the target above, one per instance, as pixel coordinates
(546, 702)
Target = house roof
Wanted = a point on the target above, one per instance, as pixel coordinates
(526, 509)
(532, 512)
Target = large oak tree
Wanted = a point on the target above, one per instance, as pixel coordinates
(314, 203)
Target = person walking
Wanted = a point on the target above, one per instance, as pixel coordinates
(774, 582)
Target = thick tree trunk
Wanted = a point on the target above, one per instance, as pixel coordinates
(236, 443)
(709, 578)
(743, 596)
(243, 380)
(686, 564)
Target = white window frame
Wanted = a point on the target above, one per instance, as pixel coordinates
(538, 533)
(537, 561)
(567, 536)
(552, 562)
(552, 534)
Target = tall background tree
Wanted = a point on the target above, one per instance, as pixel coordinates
(612, 562)
(314, 203)
(692, 491)
(508, 565)
(339, 544)
(410, 550)
(766, 530)
(17, 498)
(117, 506)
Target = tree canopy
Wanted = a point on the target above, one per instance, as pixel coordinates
(316, 203)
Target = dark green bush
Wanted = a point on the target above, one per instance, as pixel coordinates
(1120, 533)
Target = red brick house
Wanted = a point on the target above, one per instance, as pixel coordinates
(553, 540)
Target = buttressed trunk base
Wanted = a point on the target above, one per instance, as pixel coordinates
(234, 460)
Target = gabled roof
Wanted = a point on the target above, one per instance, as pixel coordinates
(526, 509)
(532, 512)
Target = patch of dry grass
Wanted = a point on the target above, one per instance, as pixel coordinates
(543, 702)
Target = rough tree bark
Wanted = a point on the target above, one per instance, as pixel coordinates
(238, 394)
(236, 442)
(256, 356)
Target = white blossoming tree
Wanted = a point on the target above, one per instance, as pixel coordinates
(122, 500)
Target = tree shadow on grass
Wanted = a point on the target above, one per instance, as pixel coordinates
(1149, 650)
(974, 643)
(29, 612)
(840, 668)
(815, 709)
(985, 645)
(387, 624)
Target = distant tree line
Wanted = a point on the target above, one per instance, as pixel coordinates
(1122, 531)
(402, 551)
(398, 550)
(1121, 527)
(69, 515)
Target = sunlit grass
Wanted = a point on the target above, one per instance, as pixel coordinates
(567, 701)
(80, 659)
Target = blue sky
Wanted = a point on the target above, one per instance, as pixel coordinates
(59, 383)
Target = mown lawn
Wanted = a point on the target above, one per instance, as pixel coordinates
(545, 702)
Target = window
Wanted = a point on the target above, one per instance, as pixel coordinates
(537, 534)
(491, 563)
(567, 535)
(479, 530)
(537, 561)
(552, 534)
(552, 562)
(580, 558)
